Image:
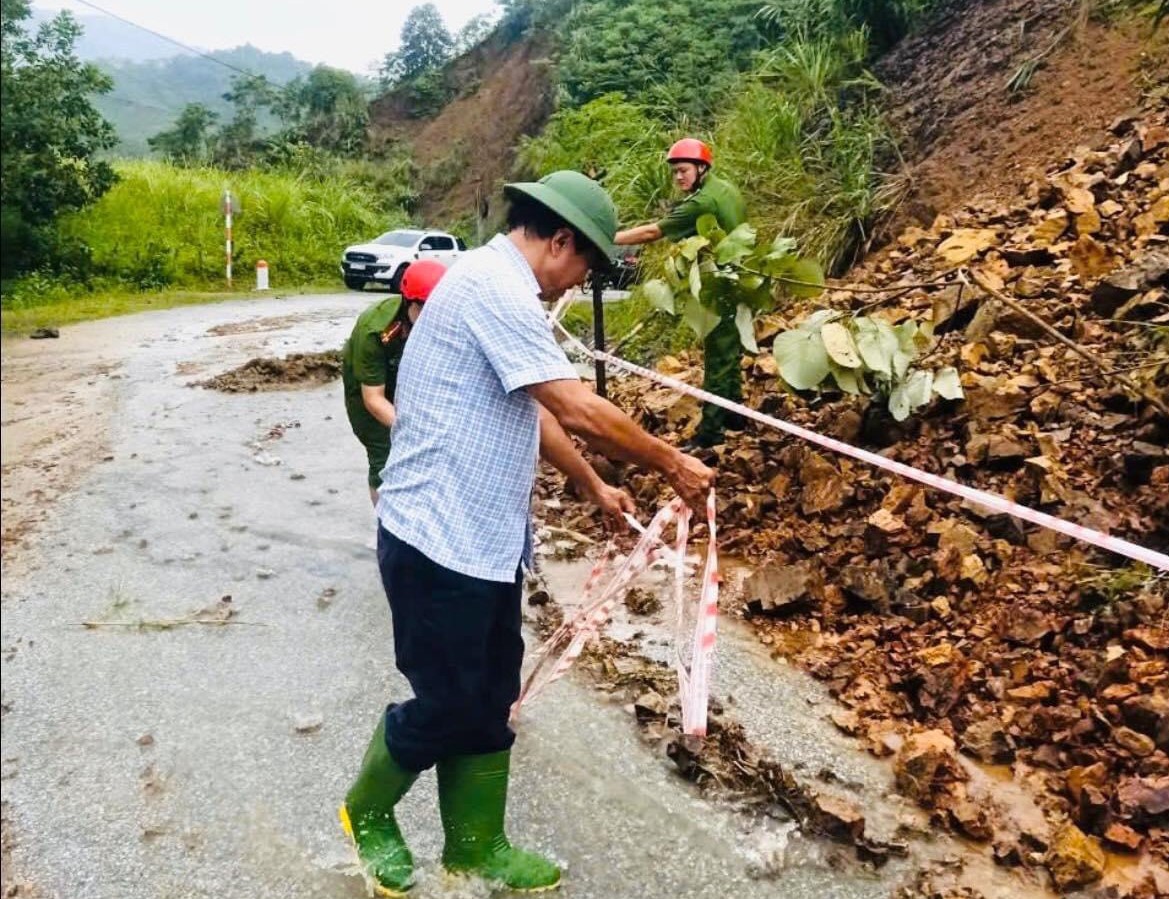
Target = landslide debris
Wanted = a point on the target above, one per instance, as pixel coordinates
(922, 613)
(271, 373)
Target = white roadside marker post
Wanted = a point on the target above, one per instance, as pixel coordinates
(261, 275)
(227, 230)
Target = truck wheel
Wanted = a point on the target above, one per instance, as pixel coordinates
(355, 283)
(396, 281)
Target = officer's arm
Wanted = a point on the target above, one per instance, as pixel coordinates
(639, 235)
(609, 430)
(557, 448)
(373, 397)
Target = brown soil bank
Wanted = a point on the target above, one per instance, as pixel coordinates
(966, 133)
(503, 90)
(269, 373)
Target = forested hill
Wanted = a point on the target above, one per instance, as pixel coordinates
(154, 78)
(147, 96)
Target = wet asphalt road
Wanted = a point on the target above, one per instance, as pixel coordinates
(205, 761)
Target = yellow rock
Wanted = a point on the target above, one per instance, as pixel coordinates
(1074, 859)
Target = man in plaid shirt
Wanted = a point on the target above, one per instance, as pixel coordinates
(484, 391)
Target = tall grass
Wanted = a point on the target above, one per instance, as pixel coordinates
(807, 144)
(162, 225)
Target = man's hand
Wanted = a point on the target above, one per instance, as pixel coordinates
(613, 503)
(691, 480)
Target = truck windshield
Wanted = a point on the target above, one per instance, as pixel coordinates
(399, 238)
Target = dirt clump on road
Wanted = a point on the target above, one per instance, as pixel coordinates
(271, 373)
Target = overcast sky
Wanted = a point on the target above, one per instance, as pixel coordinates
(349, 34)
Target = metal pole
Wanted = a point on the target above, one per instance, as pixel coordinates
(599, 329)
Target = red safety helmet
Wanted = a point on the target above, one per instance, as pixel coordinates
(420, 278)
(690, 149)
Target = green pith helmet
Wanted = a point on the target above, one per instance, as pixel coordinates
(577, 199)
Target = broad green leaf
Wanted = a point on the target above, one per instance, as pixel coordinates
(816, 320)
(680, 266)
(847, 379)
(783, 245)
(696, 281)
(918, 387)
(691, 245)
(745, 322)
(751, 282)
(876, 346)
(901, 362)
(707, 225)
(698, 317)
(840, 345)
(801, 357)
(899, 406)
(659, 295)
(804, 279)
(947, 385)
(735, 245)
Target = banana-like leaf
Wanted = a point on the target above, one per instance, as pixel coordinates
(840, 345)
(698, 317)
(696, 282)
(659, 295)
(745, 322)
(947, 384)
(801, 357)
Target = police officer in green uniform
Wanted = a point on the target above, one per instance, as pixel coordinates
(369, 363)
(706, 194)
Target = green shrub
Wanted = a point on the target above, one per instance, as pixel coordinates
(611, 139)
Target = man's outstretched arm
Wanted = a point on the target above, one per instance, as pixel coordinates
(557, 448)
(610, 431)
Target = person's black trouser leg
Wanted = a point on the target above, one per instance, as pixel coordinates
(457, 640)
(722, 376)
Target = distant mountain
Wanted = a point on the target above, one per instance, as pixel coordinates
(147, 96)
(154, 79)
(108, 38)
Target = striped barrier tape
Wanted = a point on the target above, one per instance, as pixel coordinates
(991, 501)
(557, 654)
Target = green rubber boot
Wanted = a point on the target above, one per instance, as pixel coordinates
(368, 818)
(472, 796)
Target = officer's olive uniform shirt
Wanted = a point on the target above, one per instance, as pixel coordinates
(716, 197)
(366, 360)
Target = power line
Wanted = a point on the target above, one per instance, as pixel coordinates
(171, 40)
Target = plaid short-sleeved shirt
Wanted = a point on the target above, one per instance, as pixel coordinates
(458, 483)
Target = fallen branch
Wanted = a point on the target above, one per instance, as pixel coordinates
(165, 624)
(1122, 379)
(572, 535)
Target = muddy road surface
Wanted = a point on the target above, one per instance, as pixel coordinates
(196, 646)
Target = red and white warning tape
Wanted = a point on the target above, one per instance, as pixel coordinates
(558, 652)
(990, 501)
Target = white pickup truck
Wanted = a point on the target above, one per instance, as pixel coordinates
(385, 259)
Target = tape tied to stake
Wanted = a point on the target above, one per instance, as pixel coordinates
(600, 597)
(983, 498)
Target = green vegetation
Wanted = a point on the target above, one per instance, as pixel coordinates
(54, 303)
(50, 134)
(676, 57)
(148, 96)
(162, 225)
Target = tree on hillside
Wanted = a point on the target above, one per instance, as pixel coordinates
(189, 140)
(425, 45)
(327, 110)
(238, 142)
(473, 33)
(50, 133)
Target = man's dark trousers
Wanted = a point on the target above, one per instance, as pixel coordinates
(457, 640)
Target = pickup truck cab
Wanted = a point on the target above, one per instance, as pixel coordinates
(385, 259)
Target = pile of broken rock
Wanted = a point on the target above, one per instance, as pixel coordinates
(924, 613)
